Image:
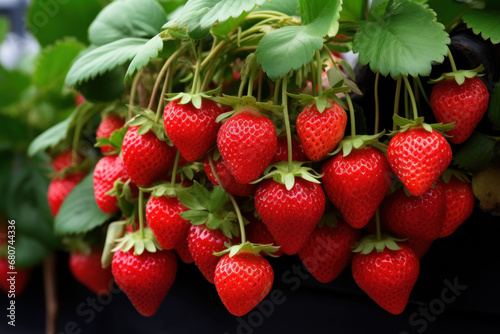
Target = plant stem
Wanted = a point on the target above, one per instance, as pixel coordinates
(284, 103)
(319, 73)
(377, 107)
(314, 79)
(452, 61)
(131, 100)
(422, 91)
(213, 53)
(412, 97)
(51, 304)
(195, 88)
(377, 222)
(159, 78)
(396, 101)
(259, 86)
(351, 114)
(407, 109)
(141, 212)
(276, 91)
(163, 91)
(174, 169)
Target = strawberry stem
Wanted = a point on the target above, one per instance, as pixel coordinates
(284, 103)
(396, 101)
(174, 169)
(377, 222)
(377, 108)
(314, 79)
(166, 85)
(133, 89)
(276, 91)
(141, 212)
(452, 61)
(259, 86)
(319, 69)
(195, 88)
(412, 97)
(351, 114)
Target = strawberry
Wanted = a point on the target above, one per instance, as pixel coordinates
(290, 215)
(59, 188)
(418, 157)
(459, 204)
(258, 233)
(64, 161)
(79, 99)
(282, 151)
(387, 277)
(193, 131)
(243, 281)
(419, 246)
(228, 181)
(21, 278)
(107, 171)
(419, 217)
(247, 142)
(318, 132)
(87, 270)
(108, 125)
(329, 250)
(182, 249)
(146, 157)
(357, 183)
(145, 278)
(162, 214)
(202, 243)
(463, 104)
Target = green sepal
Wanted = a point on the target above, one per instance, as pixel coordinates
(115, 141)
(370, 242)
(238, 103)
(336, 79)
(115, 231)
(188, 170)
(459, 76)
(406, 124)
(283, 174)
(123, 193)
(356, 142)
(195, 99)
(322, 101)
(446, 176)
(328, 219)
(268, 249)
(162, 189)
(145, 120)
(138, 242)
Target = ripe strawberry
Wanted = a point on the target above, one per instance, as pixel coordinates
(282, 151)
(193, 131)
(357, 184)
(64, 160)
(419, 217)
(203, 242)
(459, 204)
(320, 133)
(258, 233)
(59, 188)
(387, 277)
(182, 249)
(162, 214)
(243, 281)
(146, 157)
(21, 278)
(419, 246)
(329, 250)
(418, 157)
(290, 215)
(145, 278)
(107, 171)
(247, 142)
(463, 104)
(108, 125)
(228, 181)
(87, 270)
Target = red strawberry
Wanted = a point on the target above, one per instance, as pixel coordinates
(418, 157)
(145, 278)
(107, 171)
(21, 278)
(290, 215)
(247, 142)
(320, 133)
(282, 152)
(108, 125)
(329, 250)
(87, 270)
(243, 280)
(419, 246)
(193, 131)
(146, 157)
(182, 249)
(203, 243)
(59, 188)
(79, 99)
(419, 217)
(258, 233)
(357, 184)
(162, 214)
(459, 204)
(64, 160)
(228, 181)
(387, 277)
(463, 104)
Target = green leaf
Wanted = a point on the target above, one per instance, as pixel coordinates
(476, 153)
(406, 40)
(127, 18)
(54, 63)
(352, 10)
(147, 52)
(171, 5)
(288, 7)
(103, 59)
(218, 198)
(29, 251)
(50, 138)
(484, 22)
(494, 107)
(4, 28)
(50, 21)
(194, 215)
(205, 13)
(188, 199)
(12, 130)
(79, 212)
(449, 11)
(13, 83)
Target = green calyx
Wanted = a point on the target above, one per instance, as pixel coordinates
(145, 119)
(370, 242)
(123, 193)
(459, 76)
(329, 219)
(406, 124)
(162, 189)
(115, 141)
(139, 242)
(196, 99)
(239, 103)
(285, 173)
(268, 249)
(115, 231)
(446, 176)
(356, 142)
